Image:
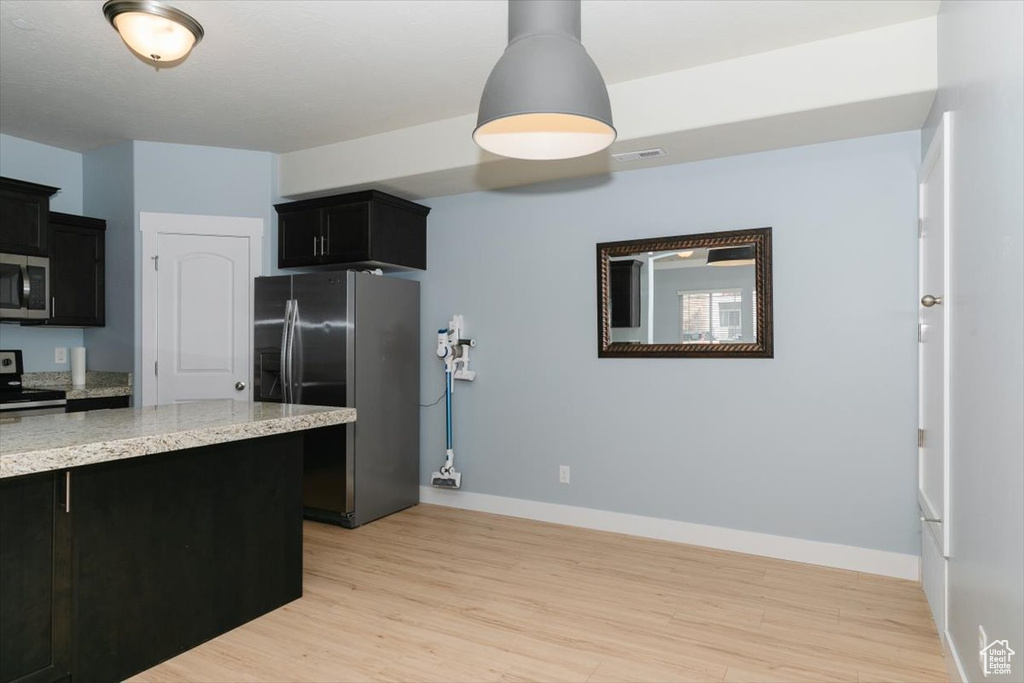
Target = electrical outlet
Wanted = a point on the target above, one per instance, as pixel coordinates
(563, 474)
(60, 355)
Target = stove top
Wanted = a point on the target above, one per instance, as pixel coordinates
(13, 396)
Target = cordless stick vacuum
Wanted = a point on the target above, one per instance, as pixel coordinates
(454, 351)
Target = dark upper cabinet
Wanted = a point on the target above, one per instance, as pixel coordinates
(624, 282)
(77, 265)
(24, 216)
(370, 229)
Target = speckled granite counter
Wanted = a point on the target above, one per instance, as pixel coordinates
(55, 442)
(97, 384)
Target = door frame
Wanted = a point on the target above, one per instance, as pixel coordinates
(941, 144)
(152, 225)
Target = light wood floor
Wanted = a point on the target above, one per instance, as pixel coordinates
(438, 594)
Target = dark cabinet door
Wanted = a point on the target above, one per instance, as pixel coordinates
(346, 233)
(298, 238)
(174, 549)
(24, 216)
(398, 236)
(34, 600)
(77, 271)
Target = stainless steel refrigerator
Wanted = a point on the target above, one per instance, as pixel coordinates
(346, 339)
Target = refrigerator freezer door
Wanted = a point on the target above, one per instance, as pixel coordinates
(387, 390)
(273, 295)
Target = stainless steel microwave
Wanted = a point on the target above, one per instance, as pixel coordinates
(24, 287)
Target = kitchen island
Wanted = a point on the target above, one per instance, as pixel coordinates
(129, 536)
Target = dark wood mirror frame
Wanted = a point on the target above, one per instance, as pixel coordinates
(761, 238)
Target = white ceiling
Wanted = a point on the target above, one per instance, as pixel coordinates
(290, 75)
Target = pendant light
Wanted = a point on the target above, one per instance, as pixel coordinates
(545, 98)
(732, 256)
(153, 30)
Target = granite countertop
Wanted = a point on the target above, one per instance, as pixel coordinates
(97, 384)
(55, 442)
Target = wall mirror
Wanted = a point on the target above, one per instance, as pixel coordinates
(690, 296)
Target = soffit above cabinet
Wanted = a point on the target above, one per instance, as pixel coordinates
(869, 83)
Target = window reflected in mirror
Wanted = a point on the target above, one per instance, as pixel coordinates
(690, 295)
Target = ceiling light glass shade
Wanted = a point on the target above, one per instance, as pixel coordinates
(732, 256)
(153, 30)
(545, 98)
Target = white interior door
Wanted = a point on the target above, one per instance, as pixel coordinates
(202, 317)
(934, 336)
(196, 313)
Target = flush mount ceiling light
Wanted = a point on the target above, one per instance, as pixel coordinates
(545, 98)
(153, 30)
(732, 256)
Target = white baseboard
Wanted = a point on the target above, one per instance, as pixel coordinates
(954, 667)
(836, 555)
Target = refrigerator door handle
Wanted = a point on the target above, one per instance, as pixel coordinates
(284, 375)
(291, 348)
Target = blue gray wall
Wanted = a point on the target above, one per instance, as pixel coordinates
(116, 183)
(191, 179)
(981, 80)
(37, 163)
(817, 443)
(212, 181)
(109, 179)
(825, 447)
(133, 177)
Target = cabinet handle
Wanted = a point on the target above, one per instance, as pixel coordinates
(53, 307)
(315, 242)
(67, 491)
(323, 239)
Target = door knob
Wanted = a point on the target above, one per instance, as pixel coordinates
(928, 300)
(240, 386)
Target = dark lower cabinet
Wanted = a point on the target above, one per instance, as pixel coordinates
(80, 405)
(77, 270)
(34, 579)
(158, 554)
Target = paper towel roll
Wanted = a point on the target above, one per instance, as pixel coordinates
(78, 366)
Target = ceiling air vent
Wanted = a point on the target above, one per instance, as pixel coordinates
(640, 154)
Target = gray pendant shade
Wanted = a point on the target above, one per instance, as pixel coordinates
(545, 98)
